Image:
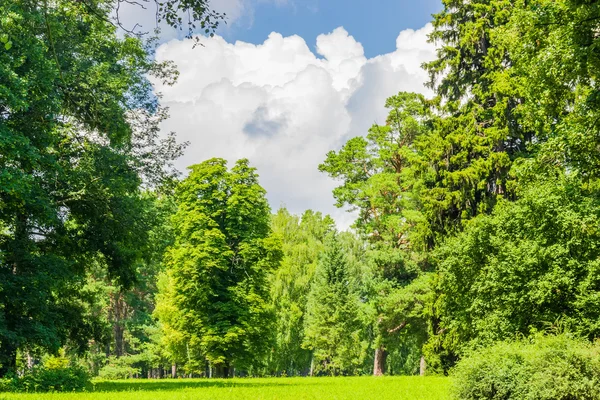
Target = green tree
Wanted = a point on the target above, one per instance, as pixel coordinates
(332, 323)
(384, 176)
(70, 173)
(303, 241)
(531, 264)
(220, 264)
(555, 68)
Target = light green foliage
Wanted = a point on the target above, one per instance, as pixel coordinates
(367, 388)
(556, 66)
(332, 323)
(220, 263)
(303, 241)
(529, 264)
(541, 368)
(119, 368)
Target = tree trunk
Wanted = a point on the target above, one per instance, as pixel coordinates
(118, 318)
(174, 371)
(226, 370)
(422, 366)
(312, 365)
(379, 364)
(29, 361)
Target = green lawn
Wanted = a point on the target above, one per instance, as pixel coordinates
(398, 388)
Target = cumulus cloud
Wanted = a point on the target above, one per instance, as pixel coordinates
(284, 107)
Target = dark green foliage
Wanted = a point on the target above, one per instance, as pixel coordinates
(332, 328)
(541, 368)
(69, 191)
(44, 379)
(529, 264)
(79, 138)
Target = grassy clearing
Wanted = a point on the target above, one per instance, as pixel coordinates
(398, 388)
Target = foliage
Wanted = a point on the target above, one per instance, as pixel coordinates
(555, 69)
(49, 378)
(302, 243)
(77, 132)
(378, 174)
(529, 264)
(220, 263)
(383, 177)
(551, 367)
(119, 368)
(332, 325)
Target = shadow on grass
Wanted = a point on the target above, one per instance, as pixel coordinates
(180, 384)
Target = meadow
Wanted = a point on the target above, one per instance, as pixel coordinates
(338, 388)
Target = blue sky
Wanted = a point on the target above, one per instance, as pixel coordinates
(375, 23)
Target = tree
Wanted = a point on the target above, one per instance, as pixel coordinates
(528, 266)
(303, 241)
(385, 177)
(555, 68)
(332, 325)
(79, 139)
(220, 264)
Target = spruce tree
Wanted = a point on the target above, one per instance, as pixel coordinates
(332, 325)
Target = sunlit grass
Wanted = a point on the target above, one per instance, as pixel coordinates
(382, 388)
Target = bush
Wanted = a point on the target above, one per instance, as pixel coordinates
(63, 379)
(541, 368)
(119, 368)
(44, 379)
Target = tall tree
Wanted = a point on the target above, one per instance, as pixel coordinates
(528, 266)
(385, 177)
(220, 263)
(303, 241)
(332, 324)
(73, 161)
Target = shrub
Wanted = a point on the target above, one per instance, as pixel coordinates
(8, 384)
(119, 368)
(61, 379)
(40, 378)
(541, 368)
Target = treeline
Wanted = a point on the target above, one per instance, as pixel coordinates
(478, 209)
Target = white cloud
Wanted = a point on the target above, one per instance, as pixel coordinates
(283, 107)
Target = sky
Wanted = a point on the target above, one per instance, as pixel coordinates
(286, 81)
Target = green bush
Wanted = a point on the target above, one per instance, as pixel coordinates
(43, 379)
(8, 384)
(541, 368)
(119, 368)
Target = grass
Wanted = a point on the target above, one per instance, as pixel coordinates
(364, 388)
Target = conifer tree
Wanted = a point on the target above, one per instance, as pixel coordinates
(332, 325)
